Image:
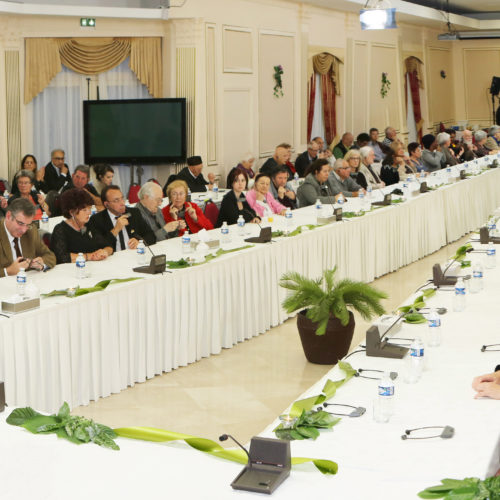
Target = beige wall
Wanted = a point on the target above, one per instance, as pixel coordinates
(219, 54)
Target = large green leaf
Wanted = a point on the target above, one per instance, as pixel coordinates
(21, 415)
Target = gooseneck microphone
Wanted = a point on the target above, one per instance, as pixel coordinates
(224, 437)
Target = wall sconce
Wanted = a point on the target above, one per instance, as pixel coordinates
(443, 73)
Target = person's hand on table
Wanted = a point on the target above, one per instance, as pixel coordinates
(256, 220)
(17, 265)
(283, 212)
(488, 377)
(488, 390)
(132, 243)
(100, 254)
(192, 212)
(37, 263)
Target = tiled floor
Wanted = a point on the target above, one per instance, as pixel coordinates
(243, 389)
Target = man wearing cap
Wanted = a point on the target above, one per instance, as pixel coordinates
(432, 159)
(193, 177)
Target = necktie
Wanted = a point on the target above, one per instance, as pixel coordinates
(375, 176)
(16, 248)
(122, 239)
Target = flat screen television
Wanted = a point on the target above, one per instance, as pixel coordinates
(135, 131)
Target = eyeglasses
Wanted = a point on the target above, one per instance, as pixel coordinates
(22, 224)
(58, 158)
(173, 194)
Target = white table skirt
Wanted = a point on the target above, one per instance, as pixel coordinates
(78, 350)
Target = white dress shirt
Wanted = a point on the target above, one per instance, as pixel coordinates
(123, 231)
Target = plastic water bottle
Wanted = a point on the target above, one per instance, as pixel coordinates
(288, 220)
(369, 191)
(93, 210)
(341, 200)
(414, 362)
(319, 209)
(45, 218)
(6, 194)
(492, 226)
(386, 394)
(448, 173)
(186, 242)
(434, 322)
(361, 196)
(241, 225)
(491, 256)
(141, 253)
(477, 283)
(459, 297)
(80, 266)
(21, 282)
(215, 190)
(224, 231)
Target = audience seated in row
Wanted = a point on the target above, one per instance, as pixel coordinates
(280, 158)
(493, 141)
(104, 176)
(25, 186)
(340, 180)
(340, 149)
(281, 189)
(246, 165)
(261, 199)
(21, 246)
(366, 174)
(192, 176)
(432, 158)
(315, 185)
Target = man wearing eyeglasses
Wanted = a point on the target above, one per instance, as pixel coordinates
(120, 225)
(20, 243)
(340, 180)
(56, 172)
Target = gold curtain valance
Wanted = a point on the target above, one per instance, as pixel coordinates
(412, 64)
(326, 63)
(91, 56)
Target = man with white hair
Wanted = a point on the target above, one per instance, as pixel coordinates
(340, 180)
(150, 199)
(493, 141)
(307, 157)
(468, 145)
(390, 136)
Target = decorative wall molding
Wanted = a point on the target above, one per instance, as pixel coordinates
(237, 43)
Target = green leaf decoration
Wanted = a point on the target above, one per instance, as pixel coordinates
(99, 287)
(470, 488)
(182, 263)
(211, 447)
(325, 297)
(461, 252)
(414, 318)
(411, 314)
(64, 411)
(20, 415)
(465, 263)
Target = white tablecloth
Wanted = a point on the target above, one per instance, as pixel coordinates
(77, 350)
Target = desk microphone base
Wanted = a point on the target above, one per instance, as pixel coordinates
(382, 349)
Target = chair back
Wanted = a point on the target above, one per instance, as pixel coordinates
(133, 193)
(211, 212)
(170, 179)
(4, 185)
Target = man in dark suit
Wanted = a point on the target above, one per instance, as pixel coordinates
(20, 243)
(193, 177)
(122, 227)
(56, 173)
(307, 157)
(80, 179)
(279, 159)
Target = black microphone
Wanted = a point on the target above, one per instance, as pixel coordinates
(224, 438)
(330, 196)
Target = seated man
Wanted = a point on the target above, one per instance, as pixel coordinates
(306, 158)
(193, 177)
(56, 173)
(340, 150)
(150, 199)
(379, 149)
(321, 143)
(361, 141)
(431, 158)
(468, 144)
(390, 136)
(280, 157)
(121, 226)
(487, 386)
(493, 141)
(80, 179)
(281, 188)
(340, 180)
(20, 243)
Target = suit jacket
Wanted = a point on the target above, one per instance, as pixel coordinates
(302, 162)
(52, 181)
(195, 185)
(347, 186)
(31, 244)
(137, 227)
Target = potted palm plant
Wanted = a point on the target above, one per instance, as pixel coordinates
(325, 323)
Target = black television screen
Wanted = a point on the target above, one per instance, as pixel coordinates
(135, 131)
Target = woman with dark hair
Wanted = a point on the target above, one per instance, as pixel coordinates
(71, 236)
(29, 163)
(393, 166)
(25, 183)
(234, 203)
(261, 199)
(414, 160)
(104, 176)
(315, 185)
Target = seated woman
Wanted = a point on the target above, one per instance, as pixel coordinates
(414, 161)
(261, 200)
(392, 166)
(104, 176)
(353, 159)
(444, 143)
(181, 210)
(234, 203)
(315, 185)
(245, 165)
(367, 176)
(481, 149)
(71, 237)
(29, 163)
(25, 182)
(493, 141)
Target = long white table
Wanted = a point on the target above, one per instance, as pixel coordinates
(373, 460)
(78, 350)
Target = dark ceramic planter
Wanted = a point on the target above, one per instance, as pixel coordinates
(325, 349)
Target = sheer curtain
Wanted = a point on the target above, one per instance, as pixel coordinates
(57, 114)
(318, 124)
(410, 115)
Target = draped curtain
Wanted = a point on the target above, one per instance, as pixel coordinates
(415, 79)
(327, 66)
(91, 56)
